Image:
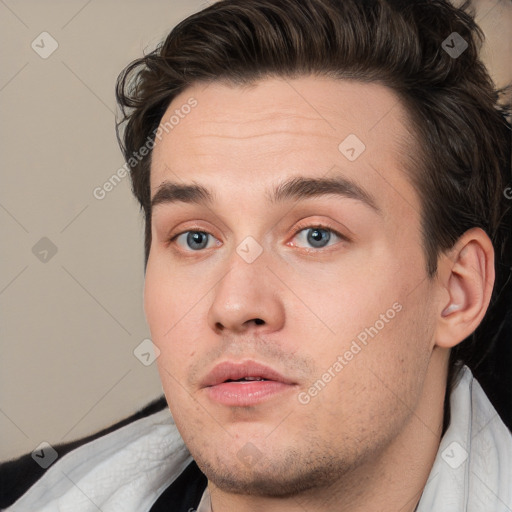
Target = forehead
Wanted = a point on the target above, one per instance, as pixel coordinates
(245, 138)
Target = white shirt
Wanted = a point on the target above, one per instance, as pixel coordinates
(128, 469)
(472, 469)
(205, 505)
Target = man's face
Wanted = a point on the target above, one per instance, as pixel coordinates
(253, 276)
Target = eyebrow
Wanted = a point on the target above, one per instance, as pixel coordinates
(292, 189)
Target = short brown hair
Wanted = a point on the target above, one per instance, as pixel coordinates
(462, 160)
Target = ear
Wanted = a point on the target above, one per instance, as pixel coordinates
(466, 277)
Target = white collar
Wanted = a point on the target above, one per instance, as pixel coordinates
(128, 469)
(472, 471)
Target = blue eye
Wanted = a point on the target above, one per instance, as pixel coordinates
(195, 240)
(319, 237)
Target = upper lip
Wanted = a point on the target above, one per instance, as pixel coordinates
(233, 371)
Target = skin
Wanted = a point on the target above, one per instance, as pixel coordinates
(368, 439)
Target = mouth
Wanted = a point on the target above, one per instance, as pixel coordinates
(244, 384)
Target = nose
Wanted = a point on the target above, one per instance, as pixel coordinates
(247, 297)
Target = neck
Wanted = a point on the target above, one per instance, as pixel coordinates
(393, 480)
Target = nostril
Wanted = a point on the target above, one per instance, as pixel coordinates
(258, 321)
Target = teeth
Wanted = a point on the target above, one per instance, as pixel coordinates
(246, 379)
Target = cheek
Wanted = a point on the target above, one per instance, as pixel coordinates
(175, 315)
(166, 298)
(383, 326)
(157, 303)
(160, 306)
(380, 382)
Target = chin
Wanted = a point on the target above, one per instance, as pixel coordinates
(286, 475)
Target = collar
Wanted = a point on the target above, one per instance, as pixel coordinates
(473, 467)
(128, 469)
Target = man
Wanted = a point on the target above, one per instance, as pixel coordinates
(323, 187)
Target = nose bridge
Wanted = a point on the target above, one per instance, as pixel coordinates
(247, 294)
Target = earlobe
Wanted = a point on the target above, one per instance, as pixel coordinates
(467, 275)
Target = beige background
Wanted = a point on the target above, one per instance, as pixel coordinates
(70, 324)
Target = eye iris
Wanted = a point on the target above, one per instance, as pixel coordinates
(315, 237)
(197, 237)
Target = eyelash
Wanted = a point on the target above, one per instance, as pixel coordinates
(300, 228)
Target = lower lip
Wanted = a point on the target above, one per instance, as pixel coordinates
(246, 393)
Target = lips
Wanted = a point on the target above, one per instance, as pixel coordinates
(245, 384)
(250, 370)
